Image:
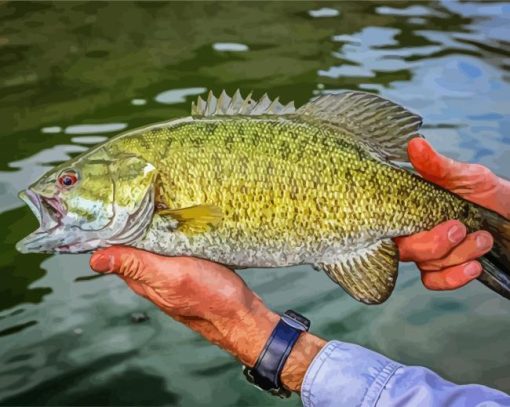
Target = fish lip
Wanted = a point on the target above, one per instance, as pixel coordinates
(35, 242)
(33, 202)
(49, 214)
(48, 210)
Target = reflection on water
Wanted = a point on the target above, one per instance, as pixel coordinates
(230, 46)
(95, 128)
(324, 12)
(138, 102)
(174, 96)
(74, 74)
(51, 129)
(89, 139)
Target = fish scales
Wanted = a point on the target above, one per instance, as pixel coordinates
(285, 184)
(260, 184)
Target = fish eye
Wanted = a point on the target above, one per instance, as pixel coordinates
(68, 178)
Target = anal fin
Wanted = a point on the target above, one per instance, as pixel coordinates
(368, 274)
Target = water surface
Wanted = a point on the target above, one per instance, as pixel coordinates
(74, 74)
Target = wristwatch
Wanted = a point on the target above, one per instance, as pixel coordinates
(266, 373)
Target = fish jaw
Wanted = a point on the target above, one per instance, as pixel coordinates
(52, 236)
(40, 241)
(46, 237)
(55, 241)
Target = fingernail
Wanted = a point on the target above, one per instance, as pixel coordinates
(472, 269)
(483, 241)
(102, 263)
(456, 234)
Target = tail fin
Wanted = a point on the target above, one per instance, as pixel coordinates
(496, 263)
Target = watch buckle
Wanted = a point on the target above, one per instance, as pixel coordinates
(279, 392)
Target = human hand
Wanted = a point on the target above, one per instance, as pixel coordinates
(211, 300)
(446, 255)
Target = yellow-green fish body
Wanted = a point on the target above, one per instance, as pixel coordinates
(283, 186)
(260, 185)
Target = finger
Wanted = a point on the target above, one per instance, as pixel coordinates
(433, 244)
(102, 262)
(458, 177)
(114, 259)
(475, 245)
(151, 269)
(452, 277)
(428, 162)
(130, 263)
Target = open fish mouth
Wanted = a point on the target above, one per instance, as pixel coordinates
(49, 214)
(48, 211)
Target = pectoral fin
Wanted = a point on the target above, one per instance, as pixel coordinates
(195, 219)
(369, 274)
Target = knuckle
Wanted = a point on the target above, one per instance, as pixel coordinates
(437, 247)
(430, 266)
(481, 170)
(132, 266)
(482, 174)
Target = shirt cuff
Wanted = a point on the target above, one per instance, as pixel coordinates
(344, 374)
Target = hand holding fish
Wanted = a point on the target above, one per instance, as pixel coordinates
(473, 182)
(446, 255)
(209, 299)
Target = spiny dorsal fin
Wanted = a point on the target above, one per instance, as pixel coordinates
(369, 274)
(379, 123)
(239, 106)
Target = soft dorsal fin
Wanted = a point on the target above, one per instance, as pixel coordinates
(368, 274)
(239, 106)
(384, 126)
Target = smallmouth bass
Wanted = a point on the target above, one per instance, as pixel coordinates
(253, 183)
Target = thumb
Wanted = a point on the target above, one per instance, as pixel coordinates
(462, 178)
(430, 164)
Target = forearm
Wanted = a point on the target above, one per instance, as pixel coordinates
(244, 335)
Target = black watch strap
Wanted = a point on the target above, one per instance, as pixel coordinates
(266, 372)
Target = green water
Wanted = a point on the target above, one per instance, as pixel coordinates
(72, 74)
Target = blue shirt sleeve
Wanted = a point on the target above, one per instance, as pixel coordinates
(343, 374)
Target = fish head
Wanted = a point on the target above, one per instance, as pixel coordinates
(90, 202)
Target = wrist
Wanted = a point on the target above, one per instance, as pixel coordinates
(246, 337)
(300, 358)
